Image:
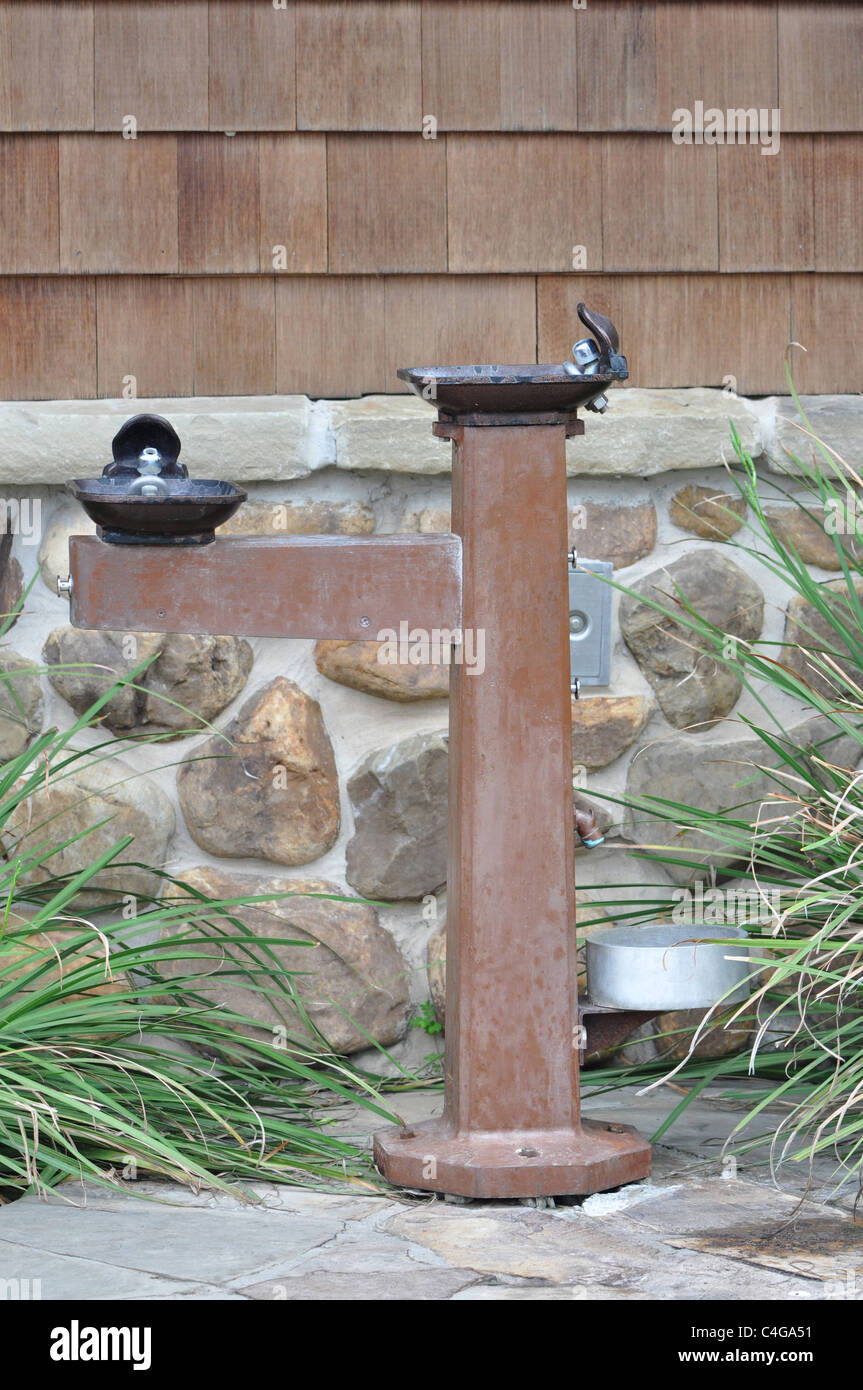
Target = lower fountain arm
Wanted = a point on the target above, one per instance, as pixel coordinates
(297, 586)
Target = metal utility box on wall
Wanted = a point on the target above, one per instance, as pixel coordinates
(589, 621)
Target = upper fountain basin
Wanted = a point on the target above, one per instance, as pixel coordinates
(529, 389)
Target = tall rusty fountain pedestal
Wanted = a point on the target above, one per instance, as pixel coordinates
(511, 1125)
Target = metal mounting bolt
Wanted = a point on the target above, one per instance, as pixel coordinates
(586, 354)
(64, 585)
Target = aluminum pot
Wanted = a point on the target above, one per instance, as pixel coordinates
(665, 967)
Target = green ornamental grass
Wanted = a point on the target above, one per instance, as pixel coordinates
(800, 849)
(112, 1067)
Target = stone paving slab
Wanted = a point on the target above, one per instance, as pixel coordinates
(745, 1222)
(183, 1242)
(689, 1232)
(51, 1276)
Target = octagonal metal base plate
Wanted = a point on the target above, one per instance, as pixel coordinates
(532, 1163)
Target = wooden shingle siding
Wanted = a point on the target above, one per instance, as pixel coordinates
(321, 191)
(431, 317)
(386, 203)
(681, 330)
(293, 202)
(118, 203)
(838, 202)
(659, 209)
(491, 67)
(517, 202)
(820, 49)
(29, 205)
(46, 66)
(767, 207)
(359, 65)
(721, 54)
(617, 67)
(331, 335)
(346, 335)
(151, 63)
(252, 66)
(827, 318)
(145, 335)
(219, 214)
(48, 342)
(234, 323)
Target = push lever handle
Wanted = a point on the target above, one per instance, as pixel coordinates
(602, 329)
(146, 445)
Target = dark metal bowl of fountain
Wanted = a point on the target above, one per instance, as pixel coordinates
(530, 389)
(146, 497)
(179, 511)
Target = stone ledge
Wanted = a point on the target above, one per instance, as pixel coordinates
(392, 433)
(644, 432)
(836, 420)
(242, 438)
(280, 438)
(649, 432)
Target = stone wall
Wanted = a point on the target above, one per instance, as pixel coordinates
(339, 777)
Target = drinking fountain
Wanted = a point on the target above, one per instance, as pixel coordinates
(145, 496)
(511, 1126)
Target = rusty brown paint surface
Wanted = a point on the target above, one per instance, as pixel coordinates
(298, 586)
(511, 883)
(511, 1124)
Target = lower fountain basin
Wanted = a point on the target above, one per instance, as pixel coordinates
(186, 513)
(665, 967)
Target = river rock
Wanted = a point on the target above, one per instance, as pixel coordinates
(609, 531)
(190, 680)
(693, 688)
(604, 726)
(27, 949)
(11, 581)
(267, 787)
(715, 777)
(804, 532)
(427, 521)
(356, 665)
(261, 518)
(707, 512)
(806, 631)
(54, 549)
(351, 979)
(436, 967)
(91, 792)
(673, 1033)
(399, 796)
(20, 703)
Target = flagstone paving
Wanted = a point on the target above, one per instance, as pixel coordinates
(698, 1228)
